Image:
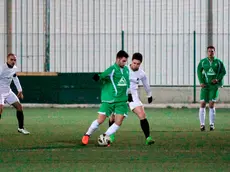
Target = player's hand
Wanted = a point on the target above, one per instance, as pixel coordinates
(150, 99)
(214, 81)
(130, 98)
(96, 77)
(20, 95)
(202, 85)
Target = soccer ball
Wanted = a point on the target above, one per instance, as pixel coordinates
(103, 140)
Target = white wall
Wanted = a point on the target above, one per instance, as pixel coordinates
(86, 34)
(3, 31)
(221, 30)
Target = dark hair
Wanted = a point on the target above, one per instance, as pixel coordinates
(121, 54)
(211, 47)
(137, 56)
(10, 54)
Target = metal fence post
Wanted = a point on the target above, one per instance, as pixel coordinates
(9, 25)
(122, 25)
(47, 36)
(194, 67)
(210, 22)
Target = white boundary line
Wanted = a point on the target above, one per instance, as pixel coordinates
(105, 149)
(166, 105)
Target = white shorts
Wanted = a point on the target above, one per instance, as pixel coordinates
(133, 105)
(9, 98)
(136, 100)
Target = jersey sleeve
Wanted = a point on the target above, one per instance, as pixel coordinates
(221, 71)
(106, 74)
(128, 91)
(16, 80)
(146, 85)
(17, 83)
(200, 73)
(128, 83)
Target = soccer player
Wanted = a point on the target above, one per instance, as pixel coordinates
(136, 75)
(210, 72)
(114, 95)
(7, 74)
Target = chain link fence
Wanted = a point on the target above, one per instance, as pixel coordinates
(84, 36)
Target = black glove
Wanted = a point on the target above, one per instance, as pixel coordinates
(96, 77)
(130, 98)
(150, 99)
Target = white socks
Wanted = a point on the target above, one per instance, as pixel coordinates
(202, 116)
(212, 114)
(92, 127)
(112, 129)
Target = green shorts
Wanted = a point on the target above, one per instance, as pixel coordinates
(118, 108)
(209, 93)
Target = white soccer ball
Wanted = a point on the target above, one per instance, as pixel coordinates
(103, 140)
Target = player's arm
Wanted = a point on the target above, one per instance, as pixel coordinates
(128, 83)
(147, 88)
(200, 74)
(104, 75)
(222, 71)
(128, 91)
(18, 86)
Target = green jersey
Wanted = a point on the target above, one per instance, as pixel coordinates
(115, 84)
(208, 70)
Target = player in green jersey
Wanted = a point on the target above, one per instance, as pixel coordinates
(136, 74)
(114, 95)
(210, 72)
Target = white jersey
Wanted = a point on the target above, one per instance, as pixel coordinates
(135, 77)
(6, 76)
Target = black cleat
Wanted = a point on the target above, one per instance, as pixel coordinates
(202, 128)
(212, 128)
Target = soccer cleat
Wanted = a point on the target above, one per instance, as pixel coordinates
(23, 131)
(149, 141)
(112, 138)
(85, 139)
(202, 128)
(212, 128)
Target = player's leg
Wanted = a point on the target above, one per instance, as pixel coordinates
(93, 127)
(202, 112)
(111, 121)
(102, 114)
(116, 125)
(120, 111)
(1, 110)
(213, 95)
(2, 99)
(13, 100)
(140, 112)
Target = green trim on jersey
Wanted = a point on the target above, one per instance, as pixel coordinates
(207, 71)
(115, 84)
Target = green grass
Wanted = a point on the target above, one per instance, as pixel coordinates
(54, 143)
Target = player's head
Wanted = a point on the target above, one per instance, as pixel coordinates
(136, 61)
(211, 51)
(11, 59)
(121, 58)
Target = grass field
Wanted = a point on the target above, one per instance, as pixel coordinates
(54, 143)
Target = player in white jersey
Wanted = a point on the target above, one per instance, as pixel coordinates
(135, 104)
(7, 74)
